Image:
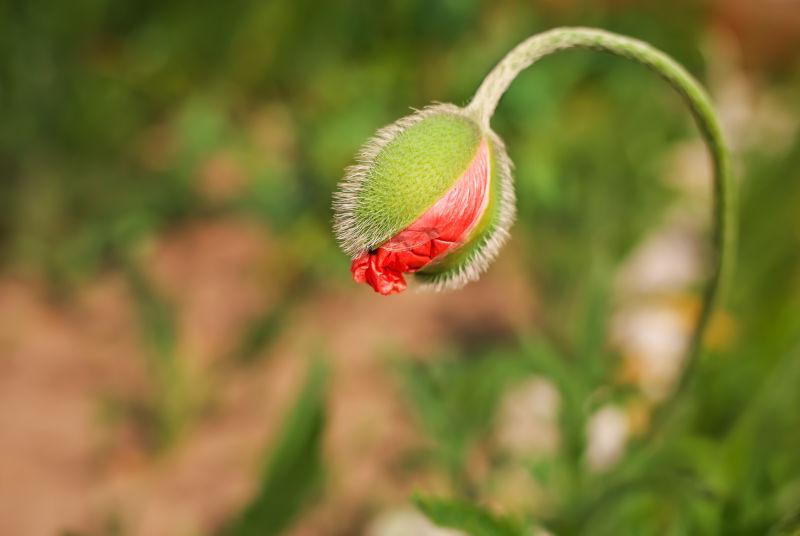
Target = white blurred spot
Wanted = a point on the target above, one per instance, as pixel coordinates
(669, 260)
(406, 522)
(654, 338)
(607, 431)
(752, 115)
(527, 422)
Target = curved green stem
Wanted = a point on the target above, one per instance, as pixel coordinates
(722, 236)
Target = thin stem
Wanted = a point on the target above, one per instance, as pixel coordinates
(722, 236)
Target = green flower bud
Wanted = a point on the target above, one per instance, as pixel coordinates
(414, 189)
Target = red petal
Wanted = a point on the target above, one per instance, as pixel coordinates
(444, 226)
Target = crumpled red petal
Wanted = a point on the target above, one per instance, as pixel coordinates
(443, 227)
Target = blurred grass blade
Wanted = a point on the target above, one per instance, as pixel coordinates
(294, 471)
(172, 401)
(265, 328)
(466, 517)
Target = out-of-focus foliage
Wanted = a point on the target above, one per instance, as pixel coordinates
(294, 471)
(122, 120)
(466, 517)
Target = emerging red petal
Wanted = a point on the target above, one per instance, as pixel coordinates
(444, 226)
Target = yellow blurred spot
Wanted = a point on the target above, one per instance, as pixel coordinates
(639, 412)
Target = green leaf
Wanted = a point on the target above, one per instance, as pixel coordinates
(466, 517)
(294, 472)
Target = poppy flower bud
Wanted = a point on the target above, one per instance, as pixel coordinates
(431, 195)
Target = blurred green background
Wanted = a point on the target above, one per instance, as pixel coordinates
(182, 350)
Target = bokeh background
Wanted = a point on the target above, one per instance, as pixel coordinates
(182, 351)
